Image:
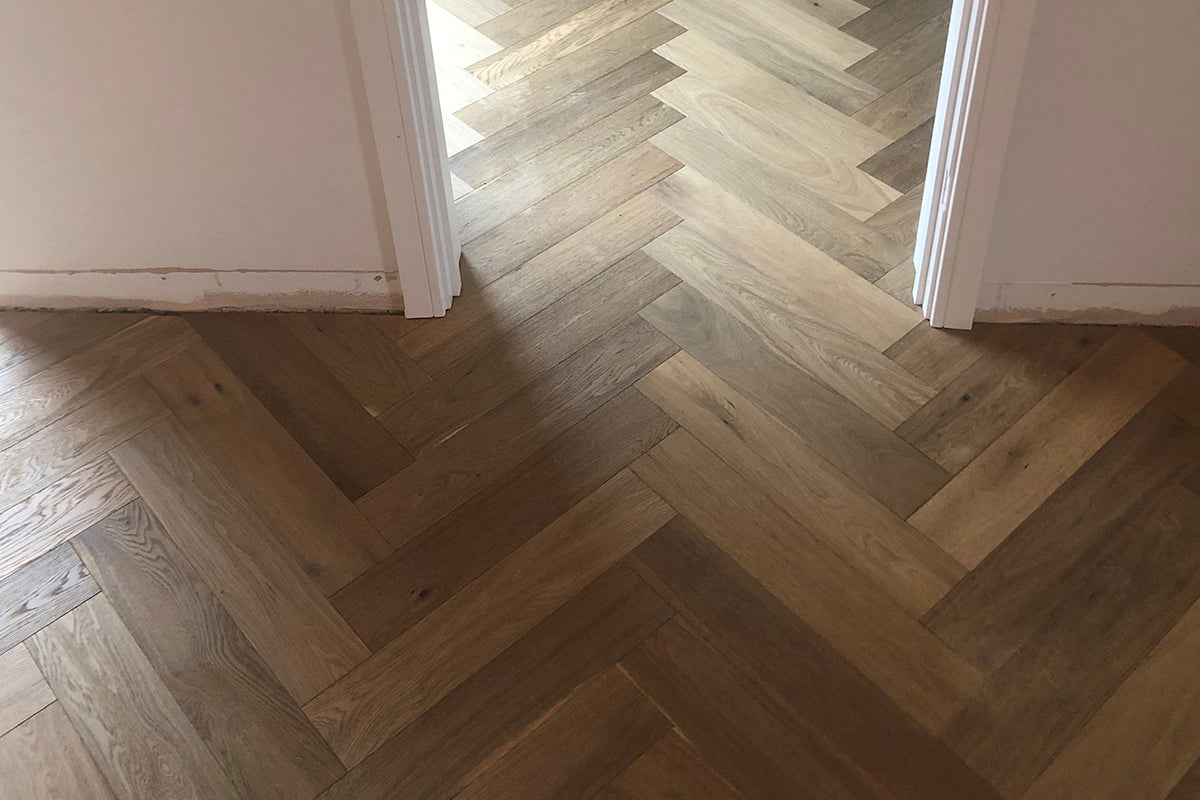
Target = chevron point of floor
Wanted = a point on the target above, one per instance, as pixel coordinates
(681, 501)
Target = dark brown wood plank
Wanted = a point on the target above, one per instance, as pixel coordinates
(565, 117)
(670, 770)
(438, 752)
(902, 164)
(868, 453)
(257, 733)
(41, 592)
(354, 450)
(421, 494)
(138, 736)
(426, 572)
(1019, 369)
(597, 731)
(820, 688)
(461, 395)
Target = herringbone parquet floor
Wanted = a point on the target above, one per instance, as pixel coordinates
(681, 501)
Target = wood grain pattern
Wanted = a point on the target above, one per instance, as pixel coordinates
(1018, 471)
(306, 644)
(44, 759)
(256, 732)
(440, 750)
(460, 467)
(904, 563)
(670, 770)
(939, 355)
(906, 55)
(898, 221)
(597, 731)
(41, 592)
(529, 19)
(475, 12)
(889, 20)
(442, 650)
(919, 673)
(23, 690)
(50, 339)
(306, 512)
(47, 518)
(433, 567)
(901, 165)
(356, 452)
(860, 447)
(905, 108)
(140, 739)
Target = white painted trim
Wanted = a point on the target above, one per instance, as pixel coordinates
(396, 53)
(985, 56)
(201, 290)
(1105, 303)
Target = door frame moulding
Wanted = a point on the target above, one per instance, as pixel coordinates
(985, 57)
(396, 53)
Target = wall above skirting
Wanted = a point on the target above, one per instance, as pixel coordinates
(1103, 303)
(202, 290)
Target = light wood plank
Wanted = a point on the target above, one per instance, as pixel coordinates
(475, 12)
(323, 531)
(907, 106)
(906, 55)
(828, 172)
(416, 670)
(910, 664)
(898, 282)
(774, 306)
(891, 19)
(534, 92)
(275, 604)
(133, 728)
(899, 222)
(939, 355)
(455, 42)
(530, 19)
(902, 164)
(23, 690)
(55, 337)
(44, 759)
(853, 524)
(1008, 480)
(49, 517)
(41, 592)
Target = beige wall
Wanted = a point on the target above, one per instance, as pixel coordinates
(1102, 178)
(226, 141)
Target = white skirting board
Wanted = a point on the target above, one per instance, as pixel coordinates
(1103, 303)
(203, 290)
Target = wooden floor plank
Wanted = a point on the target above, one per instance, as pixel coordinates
(891, 19)
(138, 736)
(826, 227)
(432, 568)
(51, 516)
(465, 393)
(481, 318)
(565, 117)
(898, 221)
(828, 172)
(321, 529)
(276, 605)
(902, 164)
(843, 301)
(906, 107)
(1143, 740)
(560, 166)
(820, 689)
(769, 44)
(991, 395)
(41, 592)
(421, 494)
(1019, 470)
(909, 567)
(78, 438)
(670, 770)
(534, 92)
(44, 759)
(775, 307)
(569, 36)
(905, 56)
(83, 377)
(1143, 579)
(355, 451)
(442, 749)
(887, 467)
(914, 668)
(547, 222)
(249, 723)
(403, 680)
(598, 730)
(530, 19)
(898, 282)
(475, 12)
(54, 338)
(939, 355)
(456, 43)
(23, 690)
(358, 354)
